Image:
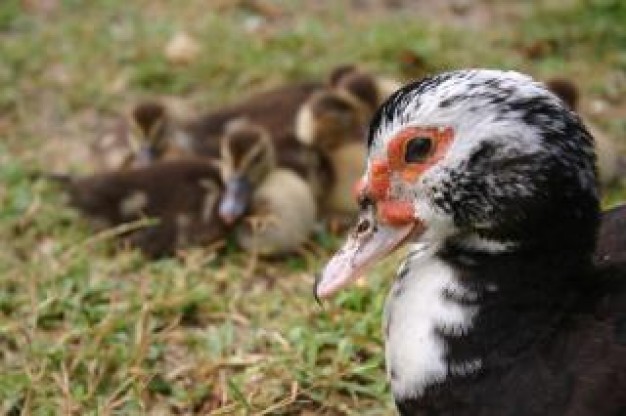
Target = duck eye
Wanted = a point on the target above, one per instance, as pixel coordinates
(418, 149)
(364, 201)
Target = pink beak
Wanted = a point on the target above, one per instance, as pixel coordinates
(368, 243)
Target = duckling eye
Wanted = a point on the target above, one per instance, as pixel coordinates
(418, 149)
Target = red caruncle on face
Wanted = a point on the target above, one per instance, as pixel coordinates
(410, 153)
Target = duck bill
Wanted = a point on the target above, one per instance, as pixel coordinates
(235, 199)
(145, 156)
(360, 252)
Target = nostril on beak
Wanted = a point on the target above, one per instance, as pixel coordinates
(363, 226)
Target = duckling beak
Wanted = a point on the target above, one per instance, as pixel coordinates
(145, 156)
(235, 199)
(370, 242)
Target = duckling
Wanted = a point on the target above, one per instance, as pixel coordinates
(274, 110)
(279, 207)
(182, 195)
(334, 122)
(610, 161)
(329, 118)
(147, 134)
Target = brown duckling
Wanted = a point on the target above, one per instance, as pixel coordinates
(610, 161)
(333, 121)
(183, 195)
(147, 134)
(277, 206)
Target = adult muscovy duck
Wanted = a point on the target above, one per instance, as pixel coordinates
(498, 309)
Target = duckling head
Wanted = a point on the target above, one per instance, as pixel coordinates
(361, 85)
(331, 117)
(247, 157)
(148, 132)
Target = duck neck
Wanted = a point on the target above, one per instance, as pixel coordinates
(457, 310)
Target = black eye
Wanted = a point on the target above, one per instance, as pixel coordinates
(418, 149)
(364, 201)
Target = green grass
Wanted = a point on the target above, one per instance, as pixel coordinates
(88, 330)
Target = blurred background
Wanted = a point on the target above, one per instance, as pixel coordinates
(87, 326)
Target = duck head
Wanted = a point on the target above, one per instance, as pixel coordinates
(484, 159)
(148, 132)
(247, 157)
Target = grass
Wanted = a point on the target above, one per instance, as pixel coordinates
(85, 329)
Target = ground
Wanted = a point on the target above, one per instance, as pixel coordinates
(86, 329)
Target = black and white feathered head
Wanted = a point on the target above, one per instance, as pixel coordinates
(484, 158)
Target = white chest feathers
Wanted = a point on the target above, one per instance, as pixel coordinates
(418, 310)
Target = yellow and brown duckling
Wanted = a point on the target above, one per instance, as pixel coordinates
(145, 135)
(182, 195)
(275, 111)
(275, 207)
(610, 161)
(333, 122)
(330, 118)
